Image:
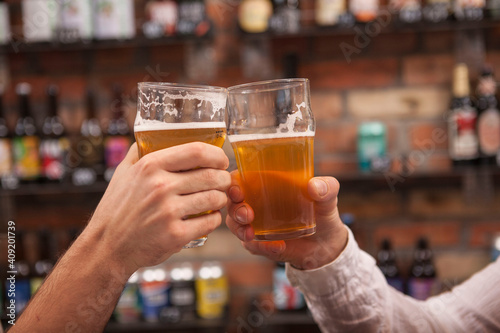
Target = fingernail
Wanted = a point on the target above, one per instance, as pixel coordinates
(233, 192)
(241, 214)
(321, 187)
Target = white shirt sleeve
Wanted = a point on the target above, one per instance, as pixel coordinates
(351, 294)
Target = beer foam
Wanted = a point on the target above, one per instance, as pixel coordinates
(146, 100)
(264, 136)
(156, 125)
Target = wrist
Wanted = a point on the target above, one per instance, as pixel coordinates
(324, 251)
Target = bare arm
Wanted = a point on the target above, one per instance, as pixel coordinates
(139, 222)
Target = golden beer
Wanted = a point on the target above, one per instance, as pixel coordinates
(274, 174)
(165, 135)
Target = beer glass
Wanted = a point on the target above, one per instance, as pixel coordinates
(170, 114)
(271, 130)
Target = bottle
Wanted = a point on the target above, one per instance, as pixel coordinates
(364, 11)
(465, 10)
(422, 281)
(386, 261)
(44, 263)
(488, 119)
(128, 308)
(254, 15)
(212, 291)
(118, 139)
(285, 296)
(88, 151)
(26, 142)
(408, 11)
(17, 285)
(54, 144)
(182, 294)
(153, 288)
(286, 17)
(4, 23)
(437, 10)
(192, 18)
(463, 145)
(6, 164)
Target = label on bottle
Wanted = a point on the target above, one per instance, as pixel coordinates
(154, 297)
(420, 288)
(128, 308)
(52, 155)
(5, 157)
(115, 150)
(285, 296)
(488, 131)
(76, 20)
(114, 19)
(462, 134)
(40, 19)
(4, 23)
(26, 157)
(254, 15)
(328, 11)
(212, 297)
(364, 10)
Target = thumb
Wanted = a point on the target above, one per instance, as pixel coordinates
(324, 191)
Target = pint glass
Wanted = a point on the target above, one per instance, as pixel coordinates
(171, 114)
(271, 129)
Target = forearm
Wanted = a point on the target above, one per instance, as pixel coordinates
(352, 295)
(80, 293)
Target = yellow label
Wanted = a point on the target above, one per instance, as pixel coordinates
(212, 296)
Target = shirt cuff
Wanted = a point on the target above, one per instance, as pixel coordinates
(330, 277)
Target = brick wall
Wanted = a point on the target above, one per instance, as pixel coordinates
(400, 78)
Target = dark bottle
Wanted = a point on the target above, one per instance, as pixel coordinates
(26, 143)
(488, 119)
(422, 281)
(386, 261)
(462, 136)
(408, 11)
(465, 10)
(6, 165)
(285, 296)
(437, 10)
(118, 135)
(182, 294)
(17, 285)
(286, 17)
(44, 263)
(88, 151)
(192, 18)
(54, 144)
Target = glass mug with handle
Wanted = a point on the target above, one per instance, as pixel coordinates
(170, 114)
(271, 130)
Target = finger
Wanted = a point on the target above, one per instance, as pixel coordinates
(235, 193)
(324, 191)
(271, 249)
(190, 156)
(243, 232)
(199, 226)
(197, 180)
(131, 158)
(200, 202)
(241, 213)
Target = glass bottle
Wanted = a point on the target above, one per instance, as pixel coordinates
(254, 15)
(26, 142)
(463, 145)
(422, 281)
(4, 23)
(118, 135)
(488, 119)
(386, 261)
(6, 164)
(54, 144)
(437, 10)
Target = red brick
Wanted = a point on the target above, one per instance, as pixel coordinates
(405, 234)
(438, 41)
(62, 62)
(369, 205)
(392, 44)
(327, 47)
(493, 58)
(428, 69)
(428, 135)
(113, 59)
(326, 105)
(72, 88)
(168, 57)
(340, 137)
(332, 166)
(359, 73)
(481, 234)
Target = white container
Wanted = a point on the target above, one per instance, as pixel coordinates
(40, 18)
(114, 19)
(76, 18)
(4, 23)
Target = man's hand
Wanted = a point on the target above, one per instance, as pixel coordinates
(142, 215)
(303, 253)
